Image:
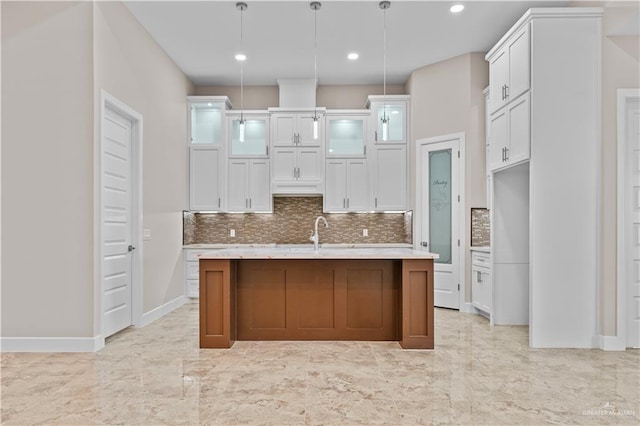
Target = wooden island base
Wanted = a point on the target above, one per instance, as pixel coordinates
(316, 299)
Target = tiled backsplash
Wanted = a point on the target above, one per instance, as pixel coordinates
(480, 228)
(292, 222)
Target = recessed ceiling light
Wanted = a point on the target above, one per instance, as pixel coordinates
(353, 56)
(457, 8)
(241, 57)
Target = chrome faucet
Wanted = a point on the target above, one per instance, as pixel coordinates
(315, 237)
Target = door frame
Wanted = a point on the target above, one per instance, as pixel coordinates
(623, 283)
(108, 101)
(463, 306)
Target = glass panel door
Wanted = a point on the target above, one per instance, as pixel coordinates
(345, 137)
(206, 123)
(255, 137)
(440, 204)
(395, 127)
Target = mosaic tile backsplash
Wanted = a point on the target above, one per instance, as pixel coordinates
(480, 228)
(292, 222)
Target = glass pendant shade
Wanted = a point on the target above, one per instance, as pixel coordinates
(315, 128)
(241, 130)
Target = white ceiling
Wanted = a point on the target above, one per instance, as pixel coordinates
(203, 37)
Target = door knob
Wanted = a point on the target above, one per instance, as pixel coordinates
(130, 248)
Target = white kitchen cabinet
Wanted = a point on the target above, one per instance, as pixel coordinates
(509, 70)
(206, 121)
(207, 132)
(297, 170)
(192, 272)
(256, 134)
(389, 177)
(206, 177)
(487, 132)
(346, 185)
(510, 134)
(481, 284)
(544, 215)
(346, 133)
(248, 186)
(296, 128)
(395, 109)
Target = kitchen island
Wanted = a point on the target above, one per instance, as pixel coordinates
(296, 293)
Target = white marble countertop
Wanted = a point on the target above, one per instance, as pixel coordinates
(482, 249)
(304, 251)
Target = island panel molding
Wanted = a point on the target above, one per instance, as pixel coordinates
(333, 294)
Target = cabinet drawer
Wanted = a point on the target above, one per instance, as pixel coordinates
(193, 288)
(480, 259)
(192, 271)
(192, 255)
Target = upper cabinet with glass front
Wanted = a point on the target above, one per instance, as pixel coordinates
(389, 118)
(253, 141)
(206, 119)
(346, 133)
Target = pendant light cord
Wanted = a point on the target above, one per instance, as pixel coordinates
(315, 54)
(241, 68)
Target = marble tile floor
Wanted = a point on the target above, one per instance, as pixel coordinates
(476, 375)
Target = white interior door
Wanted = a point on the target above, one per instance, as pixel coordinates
(633, 223)
(439, 207)
(116, 222)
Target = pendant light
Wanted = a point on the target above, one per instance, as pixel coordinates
(241, 57)
(384, 5)
(315, 6)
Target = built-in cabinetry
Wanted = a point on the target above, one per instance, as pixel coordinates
(297, 157)
(481, 284)
(346, 167)
(544, 153)
(207, 154)
(191, 272)
(248, 165)
(388, 153)
(487, 132)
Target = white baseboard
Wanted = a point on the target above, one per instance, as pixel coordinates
(467, 308)
(611, 343)
(162, 310)
(51, 344)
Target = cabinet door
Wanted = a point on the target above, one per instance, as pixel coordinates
(206, 123)
(389, 178)
(519, 130)
(204, 178)
(486, 293)
(284, 164)
(283, 128)
(310, 164)
(255, 137)
(237, 197)
(305, 129)
(357, 194)
(346, 136)
(518, 65)
(396, 114)
(476, 291)
(498, 77)
(499, 131)
(259, 186)
(335, 196)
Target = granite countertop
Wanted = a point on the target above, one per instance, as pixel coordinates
(273, 245)
(304, 251)
(486, 249)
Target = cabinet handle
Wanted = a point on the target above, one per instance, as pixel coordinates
(249, 202)
(344, 203)
(347, 203)
(506, 154)
(376, 202)
(218, 202)
(375, 135)
(506, 91)
(479, 276)
(267, 150)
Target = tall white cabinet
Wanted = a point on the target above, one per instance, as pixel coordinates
(544, 155)
(206, 138)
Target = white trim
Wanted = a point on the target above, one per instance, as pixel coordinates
(610, 343)
(417, 229)
(162, 310)
(467, 308)
(623, 97)
(52, 344)
(109, 101)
